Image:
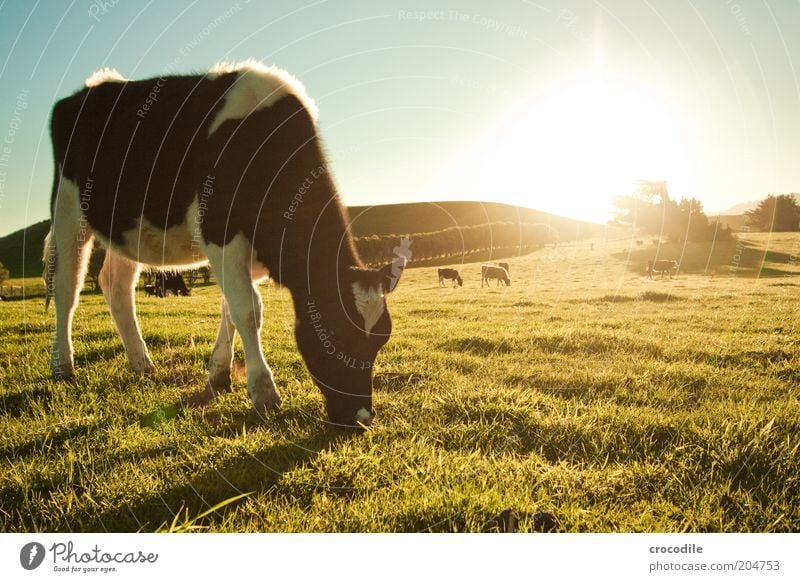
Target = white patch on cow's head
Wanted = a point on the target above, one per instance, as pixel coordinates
(369, 303)
(257, 86)
(104, 75)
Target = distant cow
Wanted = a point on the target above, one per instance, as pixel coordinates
(639, 243)
(452, 275)
(494, 272)
(661, 267)
(171, 281)
(150, 290)
(505, 266)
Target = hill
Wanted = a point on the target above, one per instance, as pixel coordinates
(741, 208)
(21, 251)
(433, 216)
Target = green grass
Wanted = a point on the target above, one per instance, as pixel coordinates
(585, 390)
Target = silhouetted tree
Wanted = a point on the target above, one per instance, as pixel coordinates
(651, 210)
(779, 213)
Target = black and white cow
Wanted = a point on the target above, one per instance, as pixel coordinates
(450, 275)
(225, 167)
(494, 272)
(171, 281)
(663, 267)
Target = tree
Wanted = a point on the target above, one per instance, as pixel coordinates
(779, 213)
(4, 274)
(650, 209)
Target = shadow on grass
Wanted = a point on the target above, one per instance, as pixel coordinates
(49, 443)
(18, 403)
(258, 472)
(478, 346)
(652, 296)
(735, 257)
(398, 381)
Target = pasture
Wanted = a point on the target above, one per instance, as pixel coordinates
(614, 402)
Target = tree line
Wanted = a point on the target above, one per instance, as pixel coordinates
(455, 241)
(779, 213)
(652, 210)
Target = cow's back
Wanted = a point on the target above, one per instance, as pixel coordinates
(136, 149)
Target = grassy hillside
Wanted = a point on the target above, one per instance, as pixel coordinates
(433, 216)
(366, 221)
(585, 390)
(21, 251)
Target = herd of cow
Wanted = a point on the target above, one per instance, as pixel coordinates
(173, 282)
(498, 272)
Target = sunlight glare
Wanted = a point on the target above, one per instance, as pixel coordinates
(576, 147)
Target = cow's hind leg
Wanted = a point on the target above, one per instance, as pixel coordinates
(219, 366)
(68, 250)
(118, 282)
(231, 265)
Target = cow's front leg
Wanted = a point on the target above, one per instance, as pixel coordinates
(219, 366)
(118, 283)
(67, 252)
(231, 264)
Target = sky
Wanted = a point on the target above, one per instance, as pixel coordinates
(554, 105)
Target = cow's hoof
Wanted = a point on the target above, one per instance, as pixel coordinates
(144, 366)
(267, 402)
(263, 394)
(201, 398)
(219, 382)
(63, 375)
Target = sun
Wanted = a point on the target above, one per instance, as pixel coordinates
(575, 147)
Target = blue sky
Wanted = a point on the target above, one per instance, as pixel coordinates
(554, 105)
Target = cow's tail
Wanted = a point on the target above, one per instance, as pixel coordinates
(49, 258)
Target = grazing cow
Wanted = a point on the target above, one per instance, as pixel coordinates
(639, 243)
(225, 167)
(661, 267)
(150, 290)
(171, 281)
(494, 272)
(450, 274)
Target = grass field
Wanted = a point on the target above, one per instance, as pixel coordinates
(614, 402)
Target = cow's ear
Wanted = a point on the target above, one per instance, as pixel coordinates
(391, 273)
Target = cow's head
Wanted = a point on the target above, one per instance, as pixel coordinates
(339, 334)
